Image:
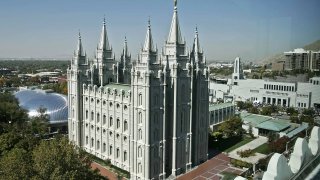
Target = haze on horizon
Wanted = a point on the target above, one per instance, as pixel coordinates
(227, 28)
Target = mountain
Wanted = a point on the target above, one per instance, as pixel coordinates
(315, 46)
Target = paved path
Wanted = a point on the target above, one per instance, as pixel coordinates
(211, 169)
(104, 172)
(251, 145)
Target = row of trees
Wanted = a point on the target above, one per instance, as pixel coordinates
(25, 154)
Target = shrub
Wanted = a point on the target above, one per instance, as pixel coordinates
(246, 153)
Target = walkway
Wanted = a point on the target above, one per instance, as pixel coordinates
(104, 172)
(211, 169)
(251, 145)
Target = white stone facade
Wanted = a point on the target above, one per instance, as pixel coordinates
(149, 116)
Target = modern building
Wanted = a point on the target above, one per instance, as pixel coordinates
(149, 116)
(219, 113)
(302, 59)
(55, 104)
(264, 125)
(268, 91)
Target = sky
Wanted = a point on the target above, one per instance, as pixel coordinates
(251, 29)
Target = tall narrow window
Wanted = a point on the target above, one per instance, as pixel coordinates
(118, 123)
(98, 117)
(104, 147)
(92, 115)
(110, 150)
(118, 153)
(140, 100)
(125, 124)
(86, 114)
(104, 119)
(125, 156)
(140, 118)
(111, 121)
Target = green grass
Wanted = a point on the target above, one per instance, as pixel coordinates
(228, 175)
(244, 141)
(263, 149)
(228, 144)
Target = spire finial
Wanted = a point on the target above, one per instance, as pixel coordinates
(104, 19)
(149, 22)
(79, 34)
(196, 29)
(175, 4)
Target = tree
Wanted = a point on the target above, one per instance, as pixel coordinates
(231, 127)
(279, 145)
(291, 111)
(58, 159)
(253, 110)
(308, 112)
(16, 165)
(40, 123)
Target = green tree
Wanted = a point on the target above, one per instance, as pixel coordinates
(40, 123)
(291, 111)
(16, 164)
(253, 110)
(231, 127)
(58, 159)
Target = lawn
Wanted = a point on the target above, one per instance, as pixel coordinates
(228, 176)
(263, 149)
(244, 141)
(230, 144)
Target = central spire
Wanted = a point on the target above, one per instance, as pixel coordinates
(175, 32)
(148, 43)
(79, 48)
(104, 43)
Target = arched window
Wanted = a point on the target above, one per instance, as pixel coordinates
(111, 121)
(104, 119)
(139, 168)
(110, 150)
(92, 142)
(118, 123)
(87, 140)
(104, 146)
(86, 114)
(139, 151)
(125, 156)
(92, 115)
(140, 100)
(98, 144)
(139, 134)
(125, 125)
(140, 118)
(118, 153)
(98, 117)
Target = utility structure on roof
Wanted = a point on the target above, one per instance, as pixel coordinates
(149, 115)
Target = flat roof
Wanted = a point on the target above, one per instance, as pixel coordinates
(125, 87)
(213, 107)
(265, 122)
(274, 125)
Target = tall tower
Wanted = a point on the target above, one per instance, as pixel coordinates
(200, 103)
(178, 101)
(237, 69)
(76, 77)
(125, 65)
(105, 60)
(147, 126)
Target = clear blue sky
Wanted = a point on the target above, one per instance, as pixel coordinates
(252, 29)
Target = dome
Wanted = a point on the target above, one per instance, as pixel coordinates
(55, 104)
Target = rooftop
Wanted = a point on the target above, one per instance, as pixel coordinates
(265, 122)
(213, 107)
(125, 87)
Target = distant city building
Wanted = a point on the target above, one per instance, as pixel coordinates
(302, 59)
(278, 66)
(267, 91)
(148, 116)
